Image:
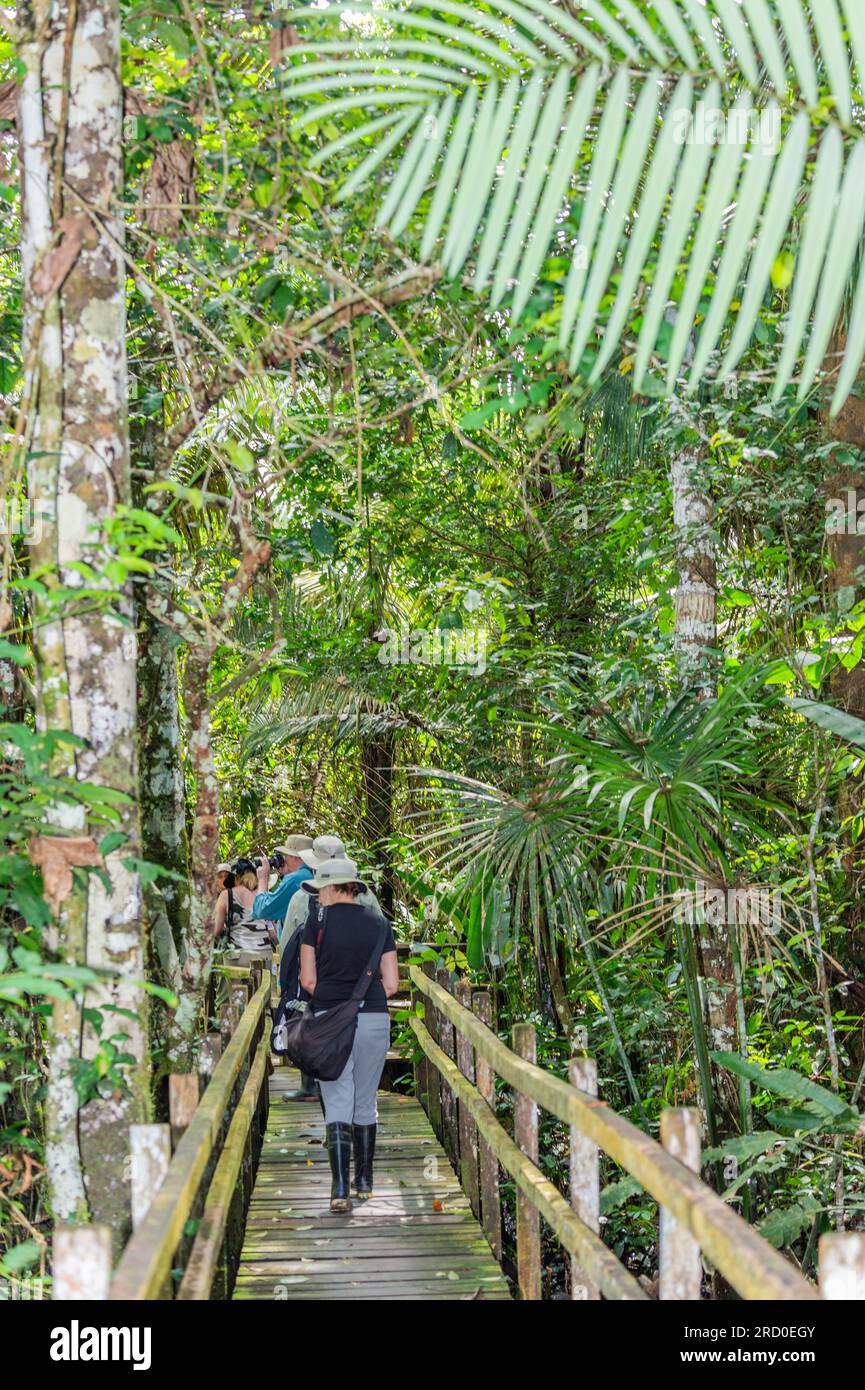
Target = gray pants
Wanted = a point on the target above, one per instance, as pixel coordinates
(351, 1099)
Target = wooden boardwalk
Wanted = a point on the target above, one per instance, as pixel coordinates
(415, 1239)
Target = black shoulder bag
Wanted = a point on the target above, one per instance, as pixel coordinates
(321, 1046)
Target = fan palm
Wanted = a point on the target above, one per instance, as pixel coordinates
(702, 140)
(648, 802)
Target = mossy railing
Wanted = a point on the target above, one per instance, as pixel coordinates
(189, 1206)
(460, 1057)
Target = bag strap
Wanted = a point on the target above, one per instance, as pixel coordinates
(319, 936)
(365, 980)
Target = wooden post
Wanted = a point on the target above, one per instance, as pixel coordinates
(434, 1087)
(208, 1055)
(585, 1181)
(262, 1113)
(238, 995)
(421, 1069)
(228, 1021)
(469, 1175)
(182, 1102)
(210, 996)
(679, 1264)
(150, 1154)
(256, 975)
(526, 1136)
(841, 1259)
(450, 1122)
(238, 998)
(491, 1209)
(81, 1264)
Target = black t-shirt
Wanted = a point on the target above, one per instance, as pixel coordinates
(349, 935)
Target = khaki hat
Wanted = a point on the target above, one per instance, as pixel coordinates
(323, 847)
(223, 868)
(332, 872)
(294, 845)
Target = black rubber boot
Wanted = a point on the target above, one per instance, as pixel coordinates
(309, 1089)
(364, 1151)
(339, 1153)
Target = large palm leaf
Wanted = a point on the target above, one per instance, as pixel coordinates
(308, 706)
(499, 118)
(533, 846)
(650, 801)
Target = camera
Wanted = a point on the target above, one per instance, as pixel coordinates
(275, 861)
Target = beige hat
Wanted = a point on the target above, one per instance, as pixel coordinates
(330, 873)
(294, 845)
(323, 847)
(223, 868)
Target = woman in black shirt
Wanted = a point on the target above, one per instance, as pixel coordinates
(336, 944)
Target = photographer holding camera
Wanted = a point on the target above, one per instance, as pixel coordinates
(287, 863)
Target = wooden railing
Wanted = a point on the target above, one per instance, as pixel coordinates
(189, 1205)
(460, 1057)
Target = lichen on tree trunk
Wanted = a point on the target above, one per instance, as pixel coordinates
(696, 598)
(204, 843)
(204, 855)
(696, 641)
(70, 119)
(163, 791)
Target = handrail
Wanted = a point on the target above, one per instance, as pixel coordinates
(596, 1258)
(749, 1264)
(203, 1259)
(145, 1264)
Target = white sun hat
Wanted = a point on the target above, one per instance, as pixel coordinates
(330, 873)
(323, 847)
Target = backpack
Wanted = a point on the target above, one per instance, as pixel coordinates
(292, 999)
(289, 965)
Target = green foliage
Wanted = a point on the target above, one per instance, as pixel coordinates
(665, 124)
(834, 721)
(820, 1110)
(470, 460)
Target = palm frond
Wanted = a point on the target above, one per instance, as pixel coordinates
(532, 846)
(308, 706)
(503, 119)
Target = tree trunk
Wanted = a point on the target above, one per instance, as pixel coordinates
(168, 901)
(163, 787)
(846, 544)
(204, 854)
(204, 846)
(696, 641)
(377, 759)
(696, 598)
(70, 122)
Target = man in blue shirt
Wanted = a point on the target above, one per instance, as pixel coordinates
(292, 872)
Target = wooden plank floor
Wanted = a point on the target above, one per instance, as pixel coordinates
(415, 1239)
